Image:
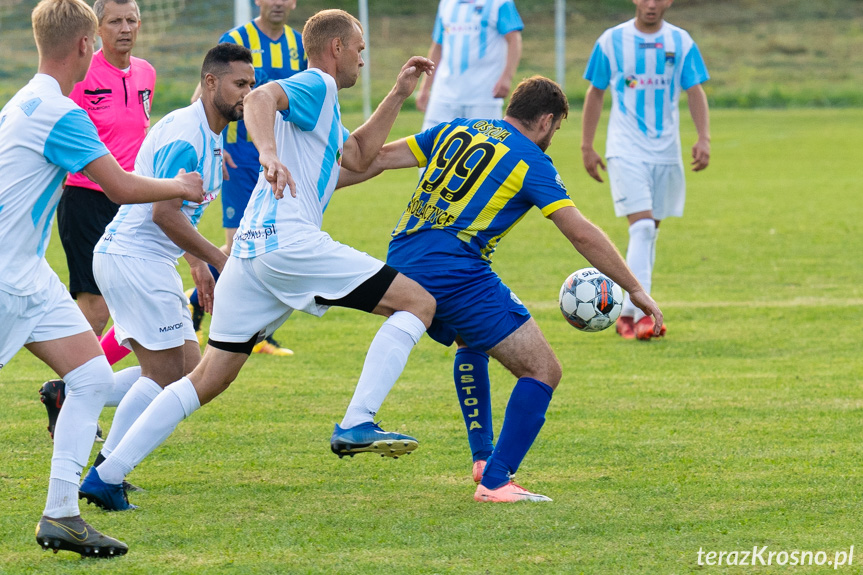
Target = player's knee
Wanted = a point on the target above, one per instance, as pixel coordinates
(93, 379)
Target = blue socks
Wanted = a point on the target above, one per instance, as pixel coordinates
(470, 373)
(524, 417)
(193, 299)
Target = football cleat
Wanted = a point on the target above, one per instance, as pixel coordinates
(507, 493)
(478, 469)
(370, 438)
(269, 346)
(644, 329)
(107, 496)
(52, 394)
(625, 327)
(75, 534)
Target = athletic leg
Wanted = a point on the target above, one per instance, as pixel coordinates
(470, 373)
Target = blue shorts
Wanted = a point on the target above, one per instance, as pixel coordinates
(236, 193)
(473, 304)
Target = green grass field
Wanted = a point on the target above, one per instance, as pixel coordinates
(742, 428)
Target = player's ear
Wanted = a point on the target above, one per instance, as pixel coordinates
(210, 80)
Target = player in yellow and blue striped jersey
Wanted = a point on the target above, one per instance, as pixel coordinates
(481, 178)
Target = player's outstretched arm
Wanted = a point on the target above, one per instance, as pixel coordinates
(589, 122)
(392, 156)
(597, 248)
(700, 112)
(259, 112)
(366, 141)
(123, 187)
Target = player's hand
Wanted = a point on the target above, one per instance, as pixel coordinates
(410, 74)
(227, 162)
(278, 175)
(206, 285)
(422, 100)
(592, 163)
(501, 88)
(642, 300)
(192, 186)
(700, 155)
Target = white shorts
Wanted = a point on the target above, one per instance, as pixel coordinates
(146, 300)
(254, 296)
(439, 112)
(638, 186)
(43, 316)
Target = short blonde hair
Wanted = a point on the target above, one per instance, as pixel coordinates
(58, 23)
(325, 26)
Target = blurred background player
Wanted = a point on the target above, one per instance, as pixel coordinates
(445, 241)
(135, 262)
(278, 53)
(117, 94)
(282, 261)
(476, 47)
(43, 136)
(647, 62)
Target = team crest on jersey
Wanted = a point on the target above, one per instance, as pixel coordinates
(631, 81)
(559, 181)
(339, 157)
(669, 57)
(144, 100)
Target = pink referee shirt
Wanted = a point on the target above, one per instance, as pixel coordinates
(118, 102)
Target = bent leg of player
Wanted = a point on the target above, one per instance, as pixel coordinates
(410, 309)
(527, 354)
(113, 350)
(470, 373)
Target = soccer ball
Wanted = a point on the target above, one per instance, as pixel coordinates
(589, 300)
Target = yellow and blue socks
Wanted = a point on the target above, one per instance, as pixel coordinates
(524, 417)
(470, 373)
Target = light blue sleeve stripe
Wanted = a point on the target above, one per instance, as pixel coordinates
(598, 71)
(678, 51)
(73, 142)
(508, 19)
(640, 65)
(173, 156)
(694, 70)
(660, 56)
(659, 110)
(306, 93)
(437, 33)
(639, 110)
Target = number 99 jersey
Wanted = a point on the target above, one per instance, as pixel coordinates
(481, 177)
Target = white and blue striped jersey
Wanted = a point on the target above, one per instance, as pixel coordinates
(43, 136)
(310, 139)
(645, 73)
(473, 48)
(182, 139)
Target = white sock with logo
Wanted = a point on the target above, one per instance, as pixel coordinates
(385, 360)
(640, 255)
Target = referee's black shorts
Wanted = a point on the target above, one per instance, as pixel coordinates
(82, 216)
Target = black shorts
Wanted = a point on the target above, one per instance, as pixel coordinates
(82, 216)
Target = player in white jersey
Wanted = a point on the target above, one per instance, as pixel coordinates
(282, 261)
(476, 47)
(646, 62)
(43, 136)
(135, 261)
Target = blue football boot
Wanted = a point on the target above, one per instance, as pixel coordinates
(107, 496)
(370, 438)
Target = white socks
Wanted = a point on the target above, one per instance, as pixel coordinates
(640, 255)
(385, 360)
(139, 397)
(177, 402)
(123, 381)
(87, 387)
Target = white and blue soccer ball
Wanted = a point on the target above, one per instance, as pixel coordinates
(590, 300)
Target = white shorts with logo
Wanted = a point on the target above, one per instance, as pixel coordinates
(146, 300)
(638, 186)
(49, 314)
(254, 296)
(439, 112)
